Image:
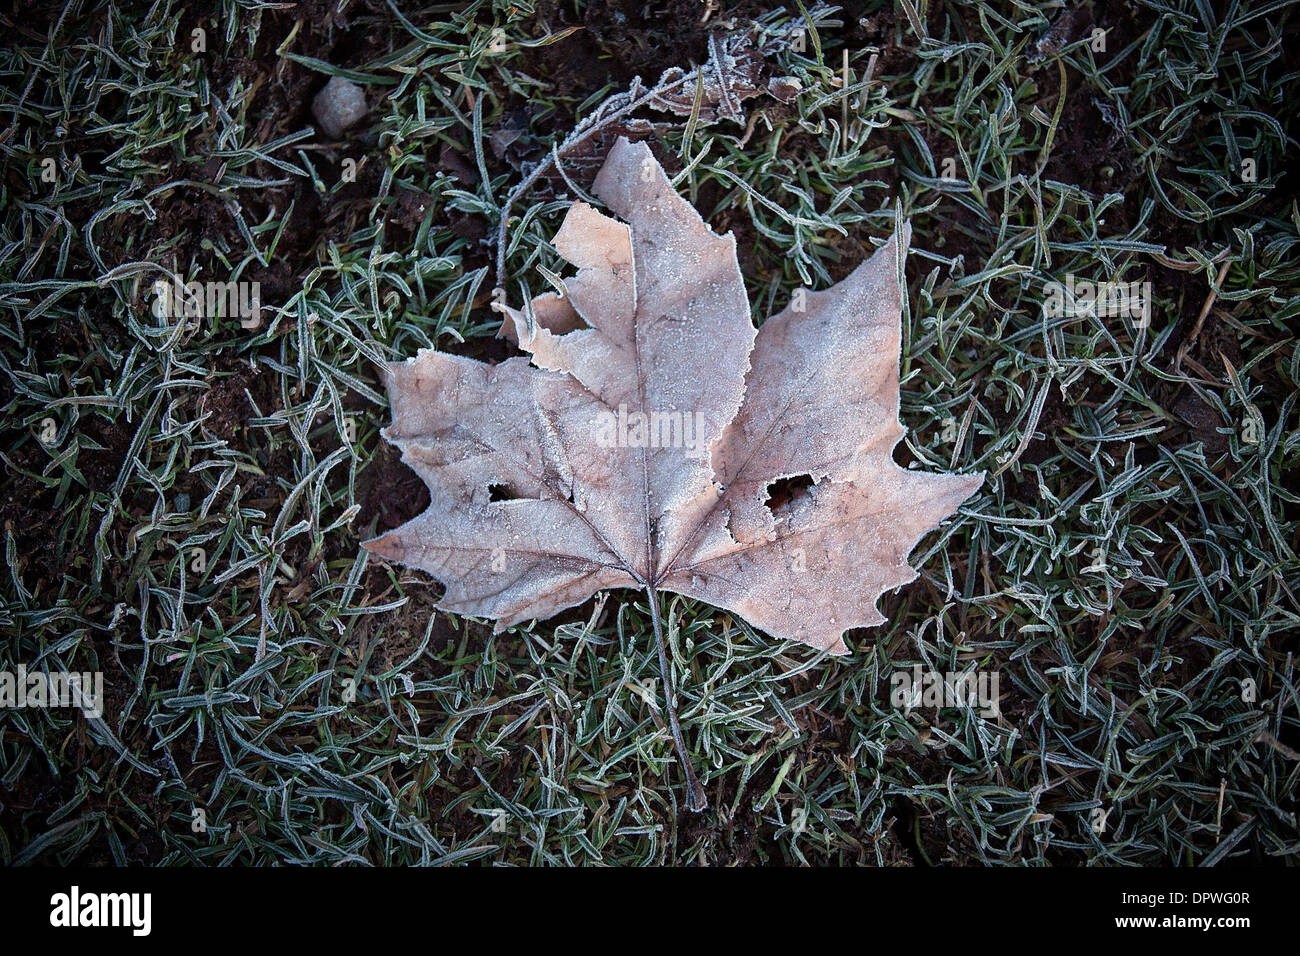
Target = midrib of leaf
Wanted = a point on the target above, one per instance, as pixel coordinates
(695, 797)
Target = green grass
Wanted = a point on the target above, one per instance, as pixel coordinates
(1131, 561)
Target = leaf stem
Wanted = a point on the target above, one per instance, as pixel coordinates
(695, 798)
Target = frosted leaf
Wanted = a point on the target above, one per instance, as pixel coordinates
(656, 439)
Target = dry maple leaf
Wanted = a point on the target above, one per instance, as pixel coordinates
(731, 75)
(640, 445)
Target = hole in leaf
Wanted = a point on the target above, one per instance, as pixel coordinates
(502, 492)
(783, 491)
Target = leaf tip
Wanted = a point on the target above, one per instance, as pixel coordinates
(388, 546)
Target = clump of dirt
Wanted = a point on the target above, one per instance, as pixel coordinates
(229, 400)
(880, 33)
(101, 465)
(1089, 150)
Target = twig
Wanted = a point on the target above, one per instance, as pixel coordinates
(695, 799)
(1200, 319)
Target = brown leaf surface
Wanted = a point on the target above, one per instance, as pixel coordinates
(641, 444)
(733, 73)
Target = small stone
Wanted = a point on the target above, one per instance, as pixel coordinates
(339, 106)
